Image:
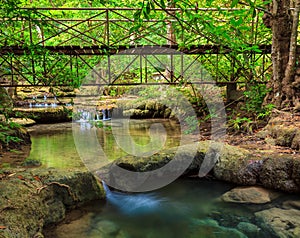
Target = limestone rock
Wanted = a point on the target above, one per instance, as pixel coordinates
(106, 228)
(5, 100)
(281, 173)
(23, 121)
(36, 197)
(252, 195)
(291, 204)
(45, 115)
(282, 223)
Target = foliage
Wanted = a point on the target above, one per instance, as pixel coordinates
(6, 133)
(100, 124)
(192, 124)
(254, 97)
(190, 26)
(241, 124)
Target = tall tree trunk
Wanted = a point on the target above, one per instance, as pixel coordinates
(284, 23)
(288, 88)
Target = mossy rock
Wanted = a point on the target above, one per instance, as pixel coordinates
(45, 115)
(32, 199)
(5, 100)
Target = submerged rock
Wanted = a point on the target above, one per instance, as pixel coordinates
(251, 230)
(281, 223)
(252, 195)
(209, 228)
(34, 198)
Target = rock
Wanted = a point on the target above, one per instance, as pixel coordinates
(209, 228)
(45, 115)
(296, 141)
(105, 228)
(280, 222)
(281, 172)
(33, 198)
(283, 129)
(291, 204)
(252, 195)
(149, 108)
(234, 166)
(16, 137)
(23, 121)
(249, 229)
(5, 100)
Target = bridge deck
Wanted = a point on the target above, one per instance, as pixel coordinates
(103, 50)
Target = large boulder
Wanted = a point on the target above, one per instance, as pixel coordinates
(144, 109)
(32, 199)
(230, 163)
(196, 159)
(283, 129)
(280, 222)
(281, 172)
(251, 195)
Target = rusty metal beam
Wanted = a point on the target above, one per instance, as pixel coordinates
(104, 50)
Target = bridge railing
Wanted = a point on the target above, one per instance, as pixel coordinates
(50, 46)
(117, 26)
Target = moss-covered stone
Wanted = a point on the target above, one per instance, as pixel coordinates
(32, 199)
(13, 137)
(280, 222)
(234, 164)
(283, 129)
(45, 115)
(144, 109)
(5, 100)
(280, 172)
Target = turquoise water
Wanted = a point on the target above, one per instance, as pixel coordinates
(187, 208)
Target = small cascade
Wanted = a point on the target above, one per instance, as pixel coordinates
(54, 104)
(92, 115)
(42, 104)
(133, 204)
(106, 114)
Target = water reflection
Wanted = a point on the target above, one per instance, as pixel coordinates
(54, 145)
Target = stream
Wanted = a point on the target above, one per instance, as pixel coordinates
(186, 208)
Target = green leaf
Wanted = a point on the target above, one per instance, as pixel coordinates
(162, 3)
(234, 3)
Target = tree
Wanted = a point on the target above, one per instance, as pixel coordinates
(283, 18)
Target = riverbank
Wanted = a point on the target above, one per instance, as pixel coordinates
(31, 199)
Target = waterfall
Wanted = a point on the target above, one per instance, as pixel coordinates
(106, 189)
(133, 204)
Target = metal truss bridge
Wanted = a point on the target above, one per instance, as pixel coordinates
(58, 46)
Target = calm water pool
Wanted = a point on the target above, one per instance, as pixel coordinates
(186, 208)
(53, 145)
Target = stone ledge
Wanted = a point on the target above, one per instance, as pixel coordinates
(33, 198)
